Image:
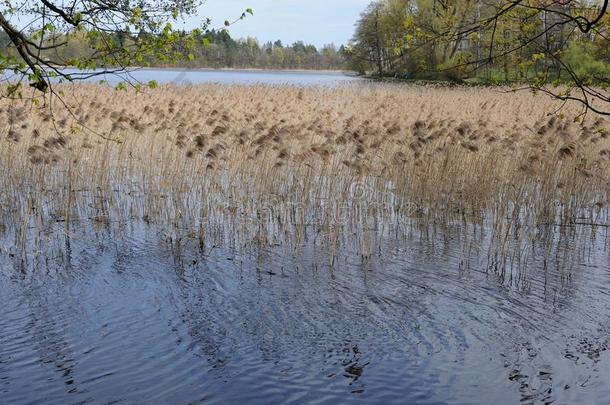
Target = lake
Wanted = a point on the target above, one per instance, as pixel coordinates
(191, 76)
(126, 315)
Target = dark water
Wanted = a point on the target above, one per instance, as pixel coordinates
(132, 315)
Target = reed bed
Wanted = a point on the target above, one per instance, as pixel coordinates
(276, 164)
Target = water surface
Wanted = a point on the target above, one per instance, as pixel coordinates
(201, 76)
(127, 313)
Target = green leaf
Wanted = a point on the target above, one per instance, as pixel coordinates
(136, 14)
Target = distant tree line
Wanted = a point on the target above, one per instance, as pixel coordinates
(219, 50)
(211, 49)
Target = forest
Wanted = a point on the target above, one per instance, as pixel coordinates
(487, 41)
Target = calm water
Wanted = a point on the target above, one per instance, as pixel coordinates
(126, 314)
(186, 77)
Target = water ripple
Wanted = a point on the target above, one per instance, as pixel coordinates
(136, 317)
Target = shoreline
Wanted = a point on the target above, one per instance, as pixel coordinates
(208, 69)
(260, 70)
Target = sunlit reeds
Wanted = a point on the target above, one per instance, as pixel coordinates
(271, 164)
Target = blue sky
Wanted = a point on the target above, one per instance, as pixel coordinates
(314, 21)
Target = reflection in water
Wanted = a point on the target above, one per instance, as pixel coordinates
(126, 312)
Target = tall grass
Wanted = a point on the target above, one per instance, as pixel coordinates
(237, 164)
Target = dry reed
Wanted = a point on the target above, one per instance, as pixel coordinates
(273, 163)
